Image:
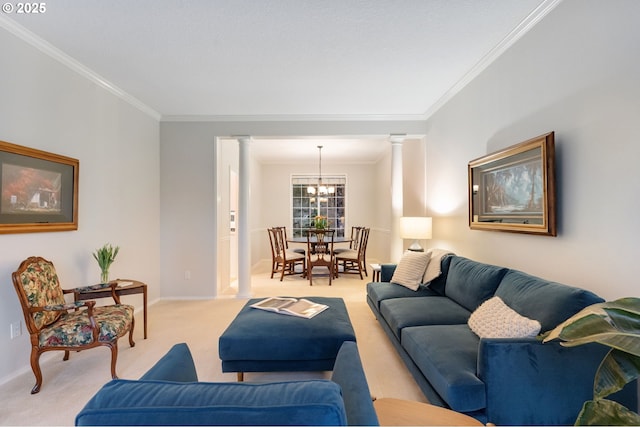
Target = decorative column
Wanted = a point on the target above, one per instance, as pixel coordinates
(397, 200)
(244, 232)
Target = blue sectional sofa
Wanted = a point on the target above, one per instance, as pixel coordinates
(170, 394)
(505, 381)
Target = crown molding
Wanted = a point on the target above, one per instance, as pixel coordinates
(295, 118)
(520, 30)
(47, 48)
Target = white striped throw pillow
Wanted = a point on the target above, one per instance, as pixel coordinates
(410, 269)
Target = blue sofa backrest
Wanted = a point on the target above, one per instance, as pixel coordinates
(470, 283)
(168, 394)
(142, 402)
(549, 303)
(349, 374)
(439, 283)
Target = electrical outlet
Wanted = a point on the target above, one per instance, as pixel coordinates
(187, 275)
(16, 329)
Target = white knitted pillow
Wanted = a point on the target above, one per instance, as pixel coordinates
(495, 319)
(410, 269)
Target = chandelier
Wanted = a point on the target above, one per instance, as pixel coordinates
(320, 189)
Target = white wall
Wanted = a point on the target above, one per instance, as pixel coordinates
(576, 73)
(187, 211)
(46, 106)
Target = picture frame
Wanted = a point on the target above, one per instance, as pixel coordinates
(514, 190)
(38, 190)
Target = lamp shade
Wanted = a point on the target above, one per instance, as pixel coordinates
(413, 227)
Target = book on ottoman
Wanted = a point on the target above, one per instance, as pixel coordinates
(291, 306)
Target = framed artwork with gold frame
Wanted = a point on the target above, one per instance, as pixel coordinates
(514, 190)
(39, 190)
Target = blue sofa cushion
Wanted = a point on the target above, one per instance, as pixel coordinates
(403, 312)
(548, 302)
(177, 365)
(448, 356)
(380, 291)
(124, 402)
(470, 283)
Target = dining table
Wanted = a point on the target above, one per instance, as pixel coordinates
(303, 239)
(336, 239)
(313, 239)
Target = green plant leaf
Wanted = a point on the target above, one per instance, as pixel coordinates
(105, 256)
(629, 304)
(627, 320)
(582, 330)
(616, 370)
(605, 412)
(615, 324)
(589, 314)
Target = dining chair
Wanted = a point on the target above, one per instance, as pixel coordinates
(55, 324)
(286, 242)
(320, 252)
(355, 239)
(354, 260)
(275, 266)
(283, 260)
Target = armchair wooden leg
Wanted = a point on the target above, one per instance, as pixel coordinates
(133, 324)
(35, 367)
(66, 355)
(114, 358)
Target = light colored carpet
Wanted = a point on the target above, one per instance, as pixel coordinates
(67, 386)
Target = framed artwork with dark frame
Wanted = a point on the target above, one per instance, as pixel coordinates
(39, 190)
(514, 190)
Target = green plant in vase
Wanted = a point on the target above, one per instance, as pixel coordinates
(105, 257)
(321, 222)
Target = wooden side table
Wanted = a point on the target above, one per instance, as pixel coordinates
(135, 287)
(398, 412)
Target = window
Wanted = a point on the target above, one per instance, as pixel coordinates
(306, 206)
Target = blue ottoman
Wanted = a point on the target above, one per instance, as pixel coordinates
(262, 341)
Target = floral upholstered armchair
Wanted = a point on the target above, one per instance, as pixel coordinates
(55, 324)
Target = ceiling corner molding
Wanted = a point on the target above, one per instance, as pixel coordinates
(55, 53)
(295, 118)
(520, 30)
